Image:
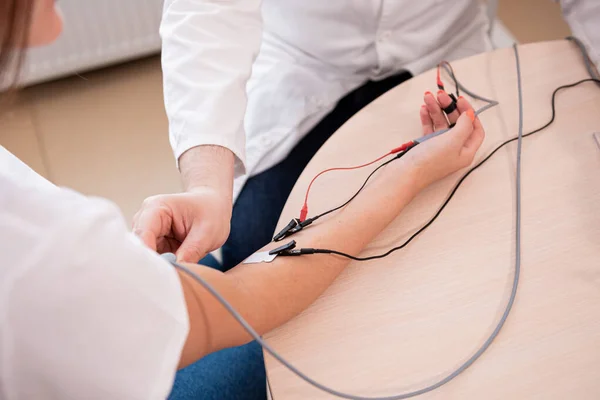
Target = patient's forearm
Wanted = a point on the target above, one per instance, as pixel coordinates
(269, 294)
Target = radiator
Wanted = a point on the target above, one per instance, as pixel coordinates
(102, 32)
(96, 33)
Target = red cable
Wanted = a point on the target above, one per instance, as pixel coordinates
(439, 80)
(304, 210)
(405, 146)
(440, 84)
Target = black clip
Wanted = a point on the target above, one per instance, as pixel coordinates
(283, 250)
(290, 249)
(452, 107)
(294, 226)
(289, 229)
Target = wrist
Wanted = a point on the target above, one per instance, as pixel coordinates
(208, 167)
(406, 177)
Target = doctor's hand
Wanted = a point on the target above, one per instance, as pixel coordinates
(189, 224)
(445, 154)
(196, 222)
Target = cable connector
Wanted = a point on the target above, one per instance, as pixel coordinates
(283, 250)
(289, 249)
(405, 147)
(294, 226)
(439, 82)
(285, 231)
(303, 212)
(300, 252)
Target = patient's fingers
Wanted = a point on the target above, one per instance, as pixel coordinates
(426, 121)
(434, 109)
(463, 105)
(445, 100)
(475, 140)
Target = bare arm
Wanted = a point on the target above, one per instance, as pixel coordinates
(267, 295)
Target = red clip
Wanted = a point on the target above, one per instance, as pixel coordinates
(404, 147)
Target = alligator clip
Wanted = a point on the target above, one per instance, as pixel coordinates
(289, 229)
(294, 226)
(283, 250)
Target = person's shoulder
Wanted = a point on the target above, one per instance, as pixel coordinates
(52, 235)
(47, 227)
(30, 204)
(34, 213)
(73, 274)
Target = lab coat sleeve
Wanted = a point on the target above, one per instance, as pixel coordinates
(583, 16)
(91, 313)
(209, 47)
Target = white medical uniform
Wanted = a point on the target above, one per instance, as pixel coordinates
(313, 52)
(86, 311)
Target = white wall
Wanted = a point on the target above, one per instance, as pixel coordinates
(96, 33)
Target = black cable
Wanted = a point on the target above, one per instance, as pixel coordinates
(447, 378)
(498, 327)
(460, 181)
(359, 190)
(448, 68)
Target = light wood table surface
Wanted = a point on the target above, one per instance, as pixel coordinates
(400, 323)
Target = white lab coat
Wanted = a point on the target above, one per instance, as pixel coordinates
(86, 310)
(313, 52)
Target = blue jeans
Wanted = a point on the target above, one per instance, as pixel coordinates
(238, 373)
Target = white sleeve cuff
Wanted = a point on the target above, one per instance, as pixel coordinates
(583, 17)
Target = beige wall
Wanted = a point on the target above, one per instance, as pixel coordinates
(533, 20)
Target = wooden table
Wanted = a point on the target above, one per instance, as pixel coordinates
(400, 323)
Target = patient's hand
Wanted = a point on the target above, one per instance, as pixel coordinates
(443, 155)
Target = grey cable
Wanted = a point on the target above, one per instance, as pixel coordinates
(467, 363)
(442, 131)
(491, 103)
